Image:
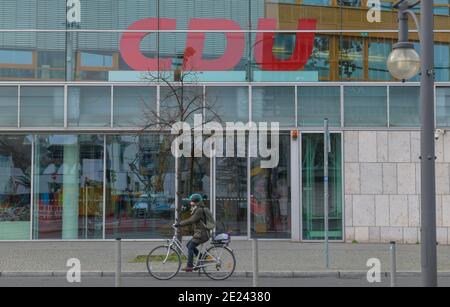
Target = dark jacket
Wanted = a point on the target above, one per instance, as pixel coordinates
(198, 220)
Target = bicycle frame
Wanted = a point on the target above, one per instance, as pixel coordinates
(178, 246)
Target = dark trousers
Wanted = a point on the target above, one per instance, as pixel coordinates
(192, 251)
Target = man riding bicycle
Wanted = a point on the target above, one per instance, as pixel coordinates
(201, 233)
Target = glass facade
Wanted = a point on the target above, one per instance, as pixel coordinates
(217, 56)
(86, 107)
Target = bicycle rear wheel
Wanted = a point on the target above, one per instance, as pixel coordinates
(219, 262)
(163, 262)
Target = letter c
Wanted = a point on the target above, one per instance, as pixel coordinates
(130, 44)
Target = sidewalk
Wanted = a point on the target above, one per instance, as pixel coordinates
(276, 258)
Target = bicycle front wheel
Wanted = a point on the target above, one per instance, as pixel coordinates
(219, 262)
(163, 262)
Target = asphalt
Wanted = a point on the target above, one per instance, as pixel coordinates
(228, 285)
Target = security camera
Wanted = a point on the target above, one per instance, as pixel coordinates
(438, 133)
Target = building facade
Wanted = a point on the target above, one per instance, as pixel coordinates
(85, 87)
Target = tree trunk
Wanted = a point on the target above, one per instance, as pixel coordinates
(179, 198)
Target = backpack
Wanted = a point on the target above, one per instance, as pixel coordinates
(209, 223)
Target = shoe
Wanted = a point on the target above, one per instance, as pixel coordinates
(188, 270)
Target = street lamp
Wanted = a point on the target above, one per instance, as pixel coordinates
(403, 63)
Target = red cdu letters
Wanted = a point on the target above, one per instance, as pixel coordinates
(303, 46)
(235, 46)
(130, 45)
(195, 44)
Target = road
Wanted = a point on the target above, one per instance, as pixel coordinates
(202, 282)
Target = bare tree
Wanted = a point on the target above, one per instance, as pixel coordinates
(181, 98)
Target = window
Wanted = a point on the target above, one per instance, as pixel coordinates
(89, 106)
(231, 193)
(90, 59)
(134, 106)
(181, 104)
(41, 106)
(378, 53)
(442, 62)
(317, 103)
(317, 2)
(270, 198)
(442, 7)
(274, 104)
(351, 65)
(68, 185)
(16, 57)
(404, 106)
(320, 57)
(365, 106)
(15, 200)
(8, 106)
(140, 187)
(229, 103)
(443, 106)
(351, 3)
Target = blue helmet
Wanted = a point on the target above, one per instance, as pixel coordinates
(196, 198)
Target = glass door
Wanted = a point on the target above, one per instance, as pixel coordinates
(230, 195)
(313, 219)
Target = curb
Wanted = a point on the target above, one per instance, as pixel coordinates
(288, 274)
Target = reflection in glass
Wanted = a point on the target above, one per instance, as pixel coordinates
(15, 186)
(231, 195)
(316, 2)
(404, 106)
(134, 106)
(230, 103)
(320, 58)
(351, 3)
(313, 187)
(365, 106)
(351, 58)
(89, 106)
(317, 103)
(16, 57)
(8, 106)
(443, 106)
(180, 104)
(195, 178)
(140, 187)
(378, 53)
(274, 104)
(41, 106)
(68, 185)
(270, 198)
(91, 59)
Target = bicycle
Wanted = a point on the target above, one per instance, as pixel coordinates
(217, 262)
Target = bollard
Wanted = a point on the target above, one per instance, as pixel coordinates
(255, 263)
(393, 265)
(118, 261)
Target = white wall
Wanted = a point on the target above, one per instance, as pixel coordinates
(382, 186)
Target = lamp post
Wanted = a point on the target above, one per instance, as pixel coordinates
(404, 63)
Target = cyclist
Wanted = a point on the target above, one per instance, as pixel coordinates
(201, 233)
